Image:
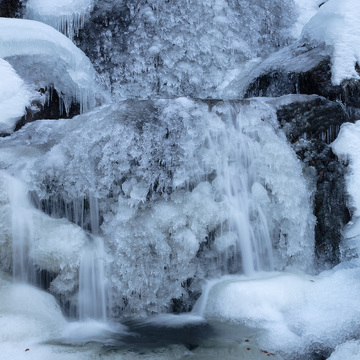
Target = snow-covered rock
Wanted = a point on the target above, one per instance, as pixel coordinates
(53, 59)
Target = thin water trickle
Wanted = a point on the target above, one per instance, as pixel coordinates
(92, 298)
(22, 231)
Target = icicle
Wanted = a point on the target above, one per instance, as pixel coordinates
(68, 17)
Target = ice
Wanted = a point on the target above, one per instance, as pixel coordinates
(192, 48)
(346, 146)
(14, 97)
(336, 24)
(29, 44)
(152, 175)
(66, 16)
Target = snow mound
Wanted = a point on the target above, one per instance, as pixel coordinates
(53, 60)
(14, 97)
(292, 314)
(66, 16)
(336, 24)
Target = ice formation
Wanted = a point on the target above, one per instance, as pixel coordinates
(189, 49)
(160, 202)
(336, 24)
(66, 16)
(28, 44)
(346, 146)
(134, 205)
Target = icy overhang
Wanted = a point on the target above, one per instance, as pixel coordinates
(44, 57)
(66, 16)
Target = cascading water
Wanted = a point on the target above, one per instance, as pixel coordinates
(244, 243)
(92, 299)
(22, 232)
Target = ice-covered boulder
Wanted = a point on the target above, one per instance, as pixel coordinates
(14, 97)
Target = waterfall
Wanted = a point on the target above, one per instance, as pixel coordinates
(244, 243)
(92, 299)
(92, 292)
(22, 231)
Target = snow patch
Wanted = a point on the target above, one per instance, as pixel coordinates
(14, 97)
(336, 24)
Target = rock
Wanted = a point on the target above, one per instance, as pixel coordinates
(304, 70)
(311, 126)
(51, 108)
(10, 8)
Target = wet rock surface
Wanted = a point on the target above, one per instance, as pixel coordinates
(311, 126)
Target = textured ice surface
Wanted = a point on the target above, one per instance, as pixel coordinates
(156, 169)
(66, 16)
(346, 146)
(53, 59)
(186, 48)
(14, 97)
(336, 24)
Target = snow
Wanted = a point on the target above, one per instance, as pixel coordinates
(336, 24)
(14, 97)
(66, 16)
(172, 49)
(306, 10)
(290, 313)
(350, 350)
(28, 44)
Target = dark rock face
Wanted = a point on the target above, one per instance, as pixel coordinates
(317, 80)
(53, 108)
(103, 40)
(10, 8)
(311, 126)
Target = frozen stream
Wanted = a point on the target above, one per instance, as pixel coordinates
(166, 221)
